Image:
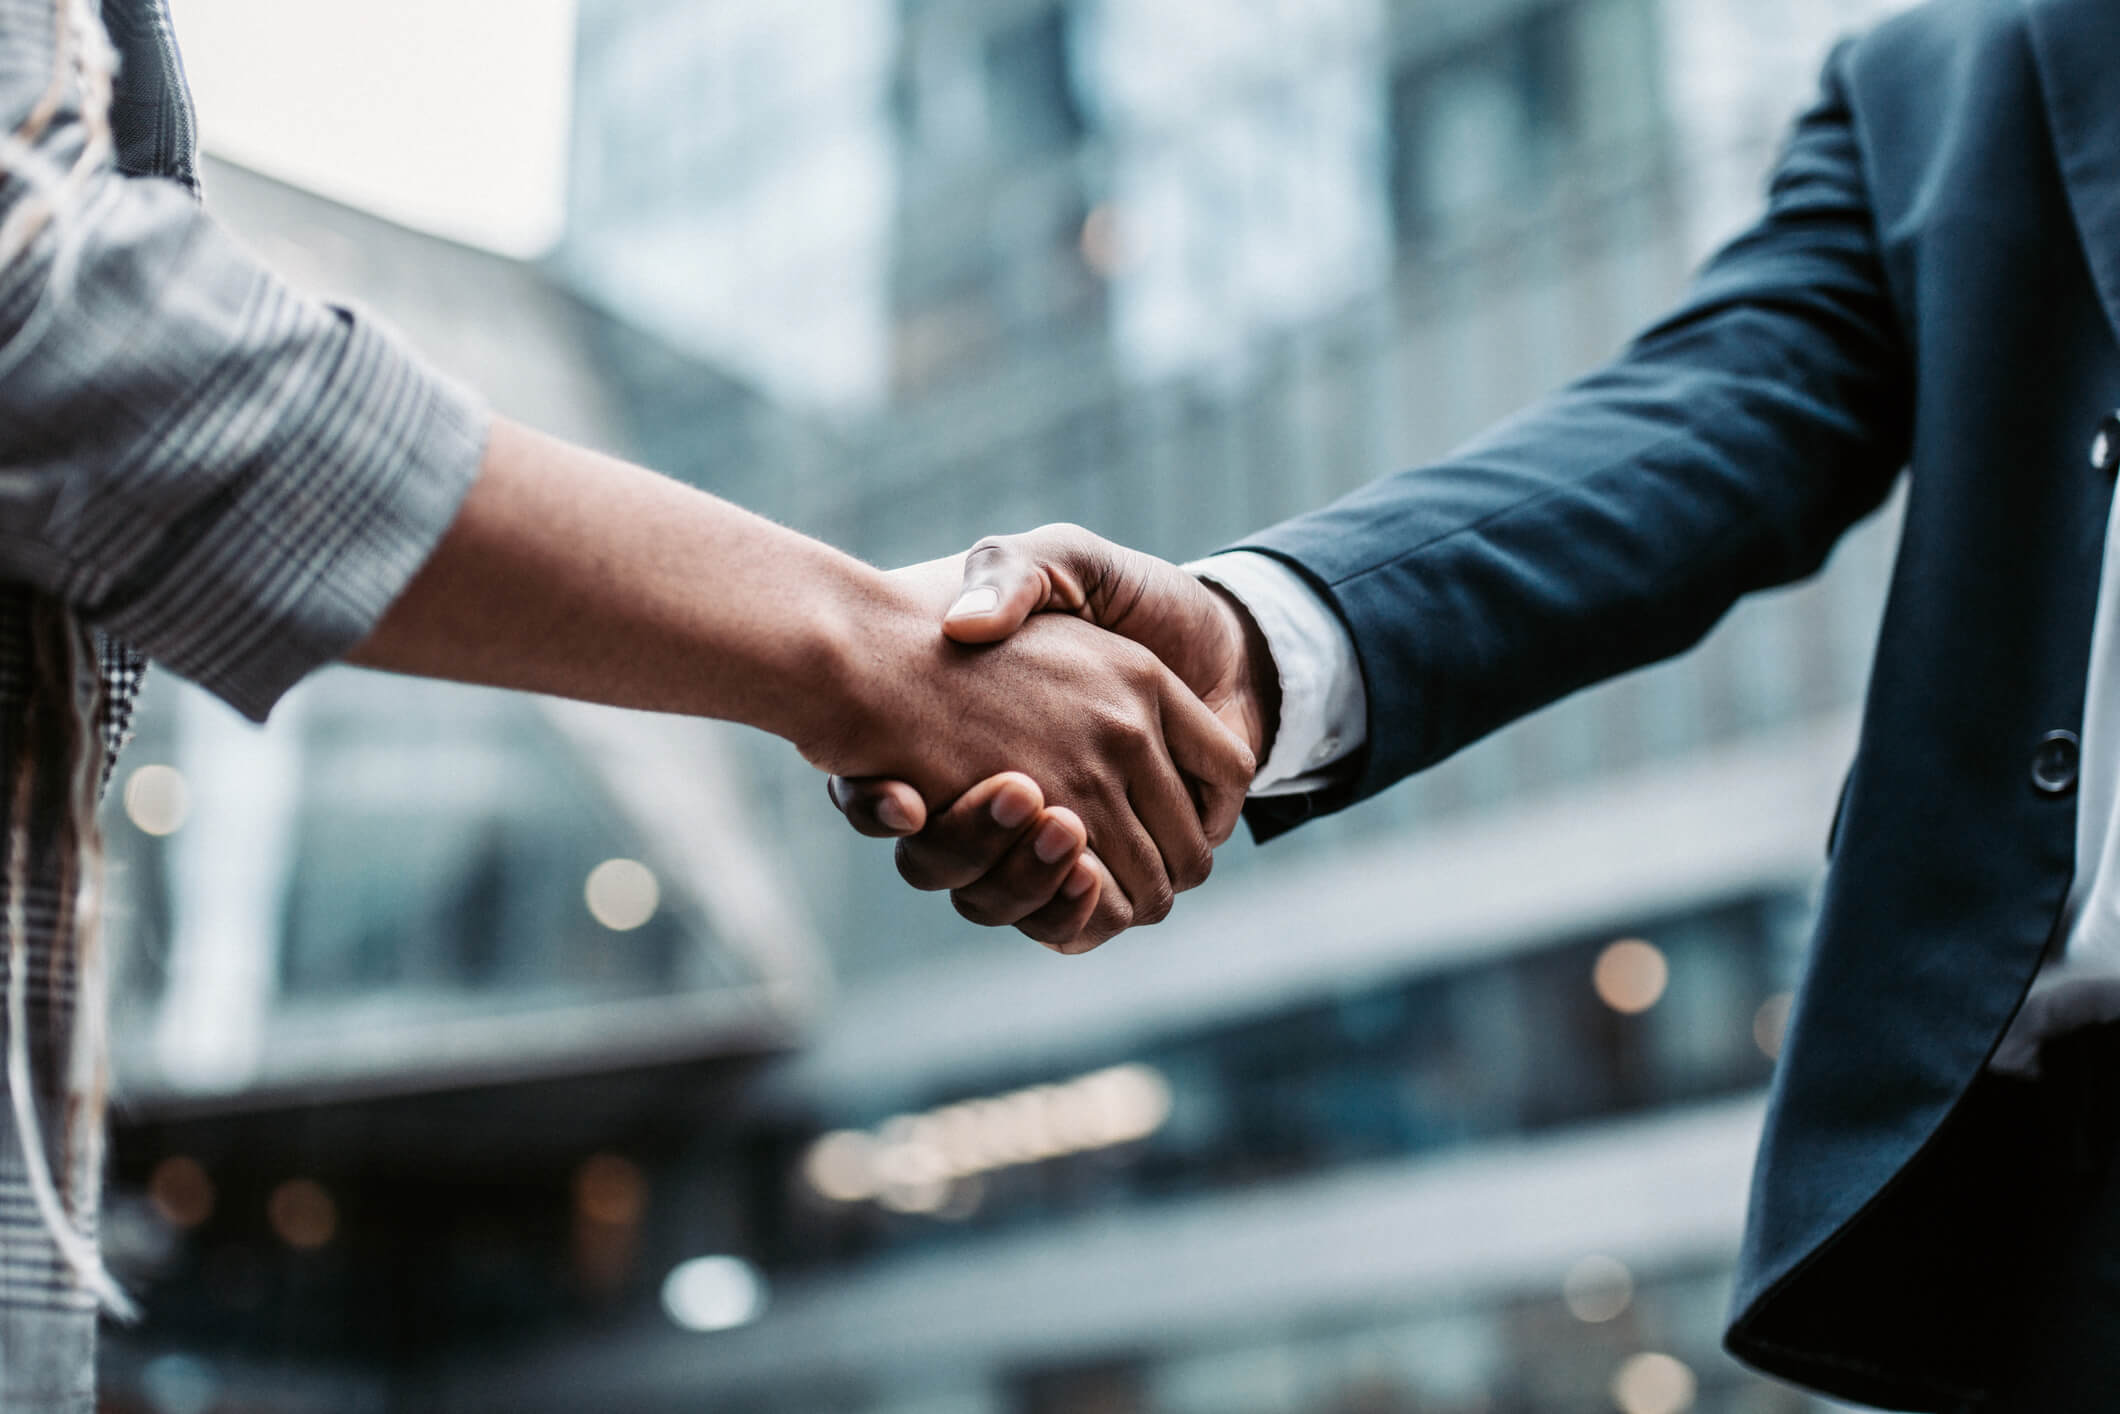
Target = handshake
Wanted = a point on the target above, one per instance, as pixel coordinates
(1058, 730)
(1068, 753)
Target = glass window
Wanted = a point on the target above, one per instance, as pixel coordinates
(1494, 126)
(1031, 103)
(1578, 1030)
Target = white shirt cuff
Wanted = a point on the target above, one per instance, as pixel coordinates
(1324, 703)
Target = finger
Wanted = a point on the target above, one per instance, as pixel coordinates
(1122, 835)
(1031, 875)
(973, 835)
(1163, 802)
(1101, 912)
(878, 807)
(1089, 909)
(1161, 799)
(1216, 761)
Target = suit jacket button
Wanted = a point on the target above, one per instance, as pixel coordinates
(2105, 447)
(2054, 763)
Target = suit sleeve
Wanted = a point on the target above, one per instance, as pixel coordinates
(1611, 526)
(235, 479)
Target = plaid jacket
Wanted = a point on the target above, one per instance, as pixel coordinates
(193, 460)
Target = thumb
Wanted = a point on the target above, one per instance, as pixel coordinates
(1066, 569)
(1007, 578)
(1003, 585)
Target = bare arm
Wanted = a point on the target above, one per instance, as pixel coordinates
(246, 484)
(578, 575)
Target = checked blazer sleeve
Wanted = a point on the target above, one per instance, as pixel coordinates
(235, 479)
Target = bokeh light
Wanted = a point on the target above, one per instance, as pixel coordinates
(925, 1194)
(610, 1190)
(1651, 1383)
(1630, 975)
(181, 1191)
(1131, 1102)
(920, 1163)
(913, 1175)
(177, 1383)
(714, 1293)
(1597, 1289)
(303, 1214)
(842, 1166)
(622, 894)
(157, 799)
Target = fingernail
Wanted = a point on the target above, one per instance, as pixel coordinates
(893, 815)
(974, 602)
(1011, 808)
(1079, 882)
(1054, 842)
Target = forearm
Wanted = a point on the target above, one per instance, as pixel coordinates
(1612, 526)
(572, 574)
(577, 575)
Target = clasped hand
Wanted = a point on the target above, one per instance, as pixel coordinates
(1131, 703)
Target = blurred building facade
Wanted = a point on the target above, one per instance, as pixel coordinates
(1445, 1104)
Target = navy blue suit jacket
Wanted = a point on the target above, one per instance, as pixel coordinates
(1934, 287)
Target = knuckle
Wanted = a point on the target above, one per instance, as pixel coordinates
(916, 866)
(1193, 869)
(1141, 667)
(1091, 933)
(960, 844)
(1029, 881)
(989, 547)
(1100, 930)
(1156, 907)
(1232, 770)
(1120, 730)
(1112, 917)
(975, 910)
(1008, 899)
(1057, 934)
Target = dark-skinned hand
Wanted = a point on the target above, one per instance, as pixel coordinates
(1004, 857)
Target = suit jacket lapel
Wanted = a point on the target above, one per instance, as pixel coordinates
(2073, 43)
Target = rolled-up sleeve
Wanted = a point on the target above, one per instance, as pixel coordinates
(235, 479)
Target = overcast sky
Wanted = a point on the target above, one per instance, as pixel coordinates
(447, 115)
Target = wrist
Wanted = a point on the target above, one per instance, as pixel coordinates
(1254, 709)
(849, 668)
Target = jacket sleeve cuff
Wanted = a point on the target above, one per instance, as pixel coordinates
(1324, 709)
(1350, 702)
